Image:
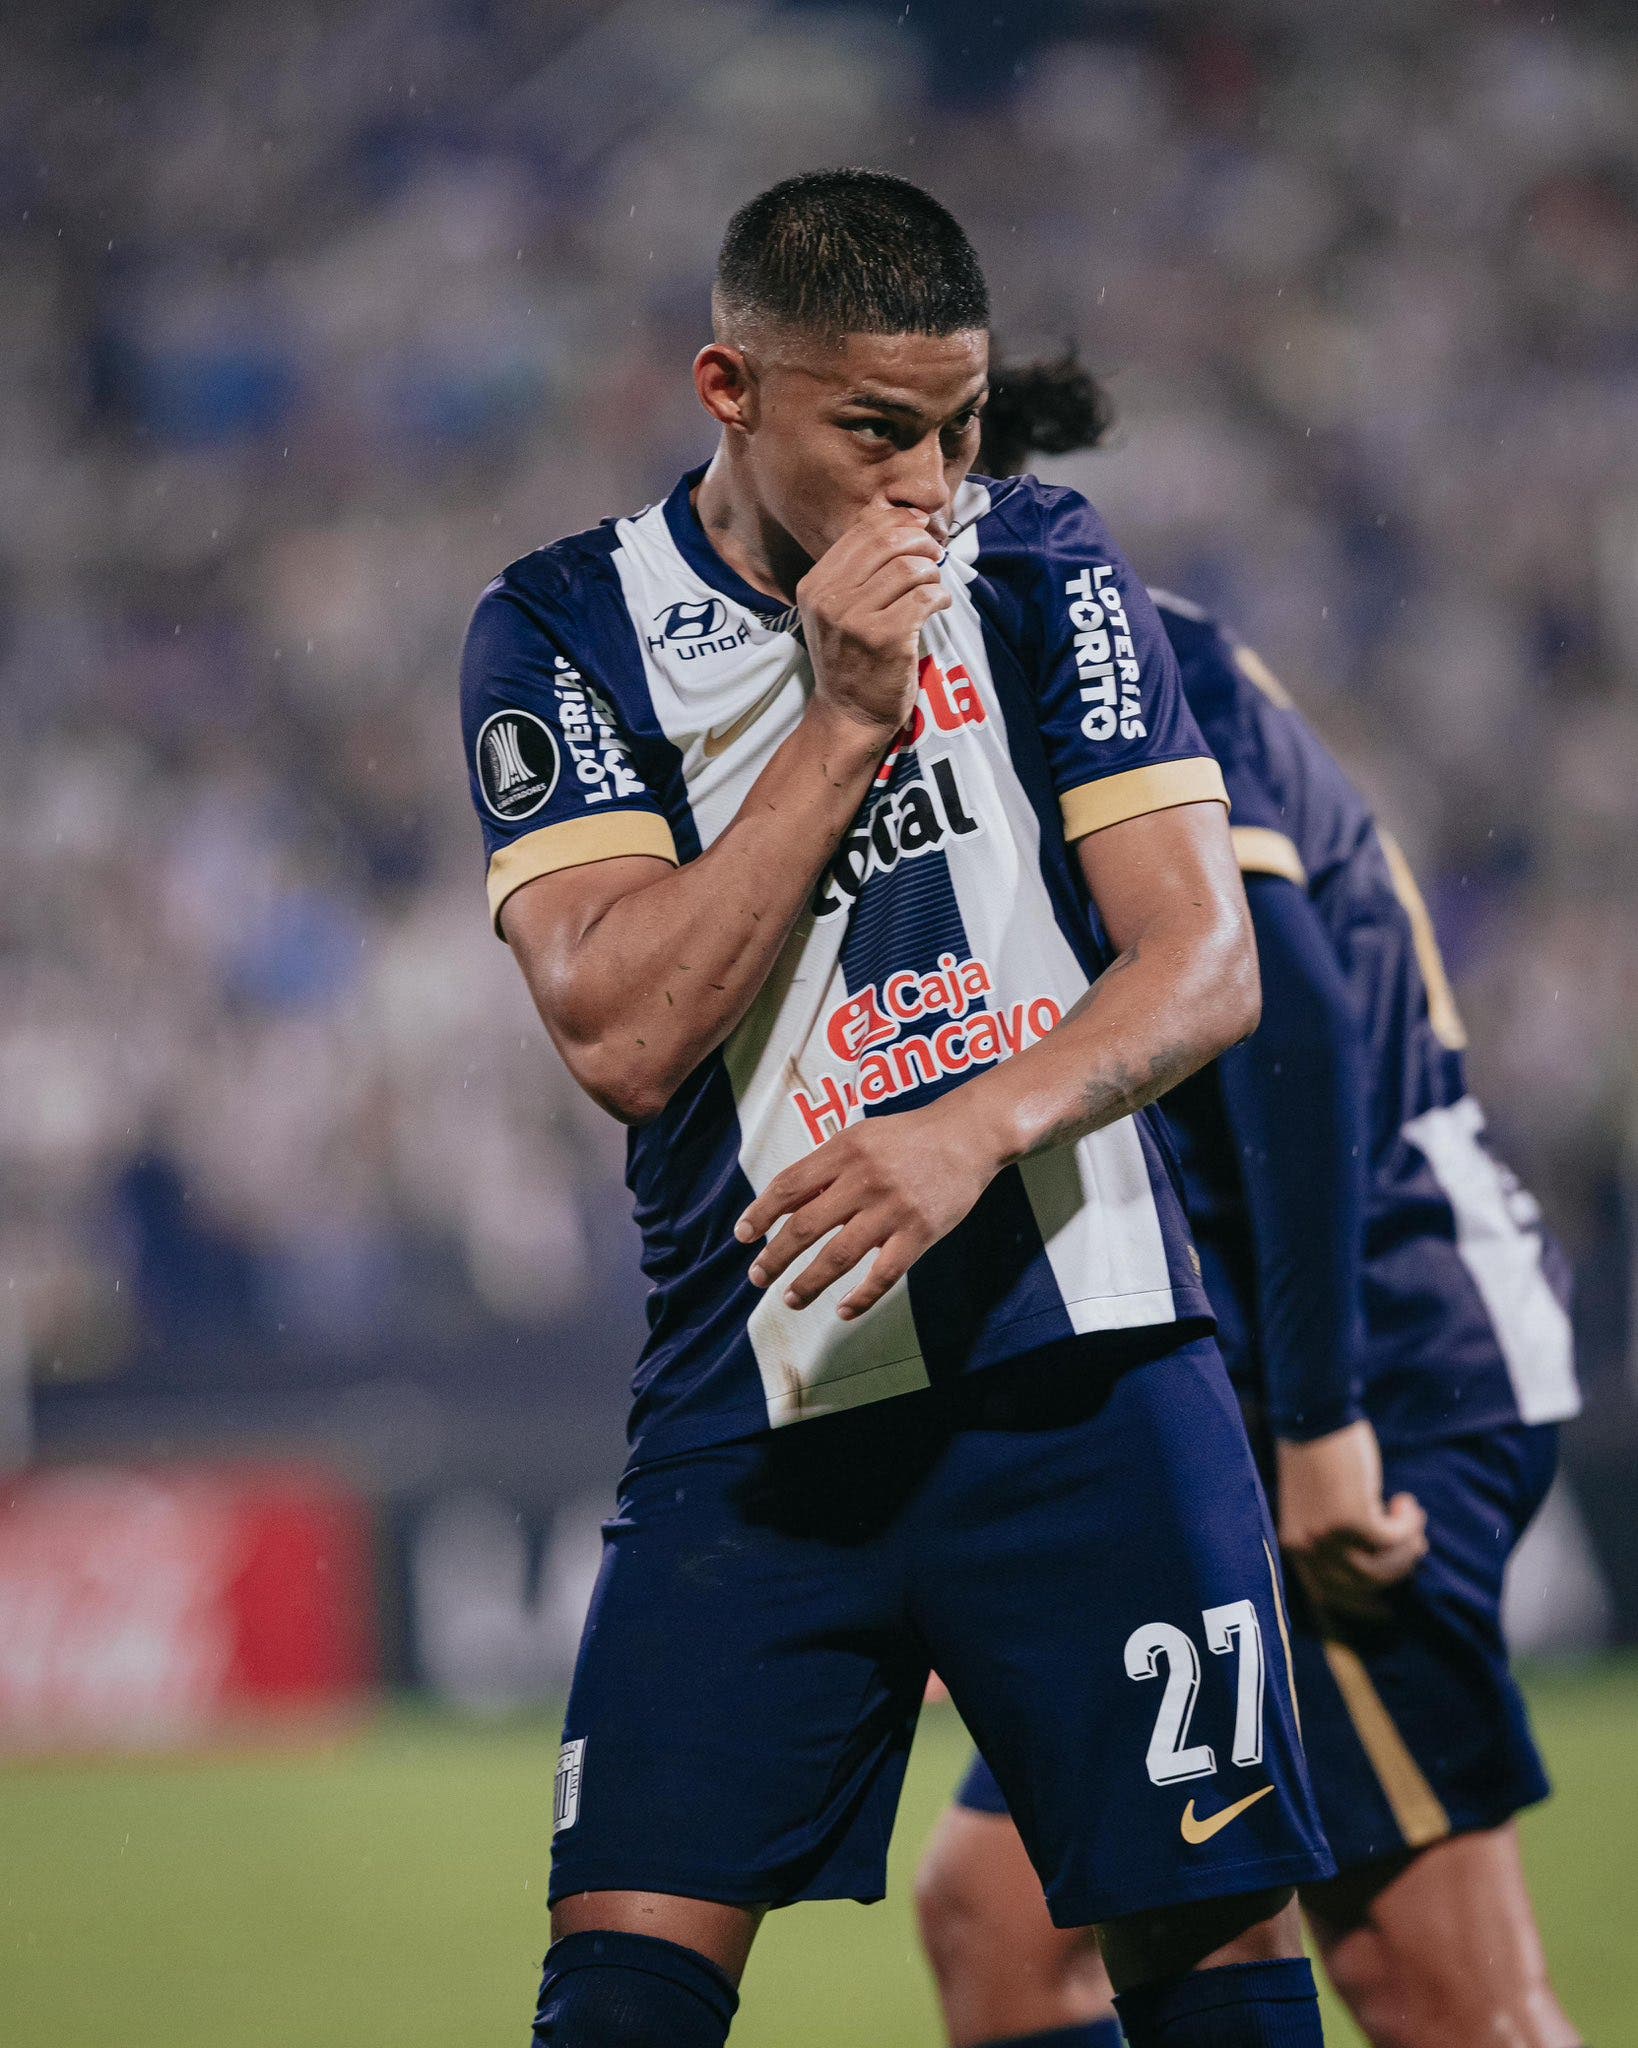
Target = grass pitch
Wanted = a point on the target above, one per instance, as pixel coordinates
(391, 1889)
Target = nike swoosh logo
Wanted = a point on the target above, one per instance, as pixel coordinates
(716, 743)
(1197, 1831)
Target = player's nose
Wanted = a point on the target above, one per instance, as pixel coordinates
(918, 483)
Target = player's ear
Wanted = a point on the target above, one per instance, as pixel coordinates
(726, 385)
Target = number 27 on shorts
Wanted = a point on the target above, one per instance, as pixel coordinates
(1171, 1756)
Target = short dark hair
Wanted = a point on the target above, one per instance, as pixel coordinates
(849, 252)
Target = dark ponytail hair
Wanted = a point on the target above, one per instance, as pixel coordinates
(1049, 408)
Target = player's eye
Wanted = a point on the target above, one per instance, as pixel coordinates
(872, 429)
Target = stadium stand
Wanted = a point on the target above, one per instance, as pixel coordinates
(316, 319)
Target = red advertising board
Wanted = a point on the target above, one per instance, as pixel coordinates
(154, 1607)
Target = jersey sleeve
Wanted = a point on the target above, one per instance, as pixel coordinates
(1295, 1093)
(1119, 736)
(1263, 830)
(552, 771)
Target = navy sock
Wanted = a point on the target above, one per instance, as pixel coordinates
(1242, 2005)
(1090, 2034)
(605, 1990)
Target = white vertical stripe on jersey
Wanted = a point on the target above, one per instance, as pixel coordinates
(1501, 1249)
(810, 1363)
(1093, 1200)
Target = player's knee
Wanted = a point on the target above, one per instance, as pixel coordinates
(1401, 1999)
(950, 1909)
(1425, 1994)
(616, 1990)
(1382, 2004)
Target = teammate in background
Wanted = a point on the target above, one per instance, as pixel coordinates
(851, 832)
(1393, 1317)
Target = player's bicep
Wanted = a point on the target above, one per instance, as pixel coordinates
(550, 920)
(577, 844)
(1169, 877)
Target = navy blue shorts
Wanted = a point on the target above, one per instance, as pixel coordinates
(1413, 1725)
(1081, 1549)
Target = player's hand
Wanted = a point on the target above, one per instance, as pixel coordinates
(1347, 1544)
(863, 604)
(892, 1185)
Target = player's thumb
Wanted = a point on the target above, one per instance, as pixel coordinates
(1395, 1544)
(1402, 1535)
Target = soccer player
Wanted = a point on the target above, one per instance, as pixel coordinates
(1393, 1317)
(851, 832)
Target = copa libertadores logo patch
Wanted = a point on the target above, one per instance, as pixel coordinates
(517, 764)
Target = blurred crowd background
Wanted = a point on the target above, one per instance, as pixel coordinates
(314, 316)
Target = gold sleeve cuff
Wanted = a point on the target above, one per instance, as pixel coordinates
(575, 843)
(1158, 787)
(1262, 852)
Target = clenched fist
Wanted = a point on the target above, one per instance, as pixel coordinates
(863, 605)
(1346, 1543)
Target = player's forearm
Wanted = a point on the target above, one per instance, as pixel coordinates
(1166, 1006)
(667, 971)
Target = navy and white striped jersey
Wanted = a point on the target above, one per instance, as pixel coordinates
(1464, 1316)
(622, 690)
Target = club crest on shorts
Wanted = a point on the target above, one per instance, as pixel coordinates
(566, 1788)
(517, 763)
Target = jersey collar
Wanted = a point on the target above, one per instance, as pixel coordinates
(694, 545)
